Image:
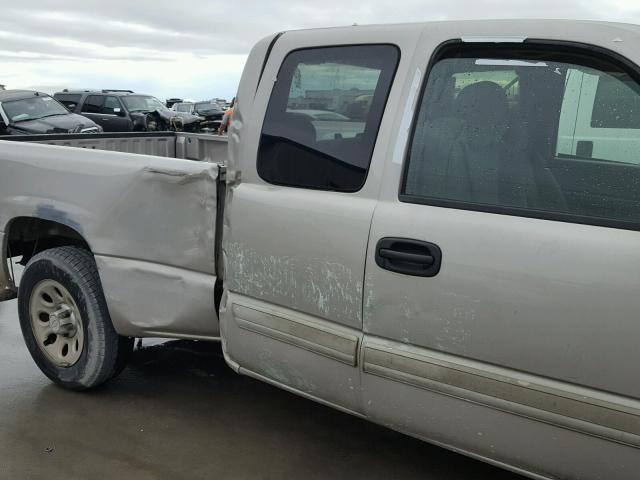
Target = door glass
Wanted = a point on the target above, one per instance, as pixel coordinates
(68, 100)
(617, 103)
(600, 117)
(93, 104)
(532, 134)
(323, 116)
(110, 103)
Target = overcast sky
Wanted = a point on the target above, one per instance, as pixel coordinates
(196, 49)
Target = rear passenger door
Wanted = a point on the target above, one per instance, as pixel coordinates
(91, 108)
(102, 110)
(113, 115)
(295, 245)
(503, 266)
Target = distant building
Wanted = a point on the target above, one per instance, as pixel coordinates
(2, 87)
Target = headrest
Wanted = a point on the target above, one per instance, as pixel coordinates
(300, 127)
(482, 101)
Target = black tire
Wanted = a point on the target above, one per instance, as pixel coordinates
(105, 353)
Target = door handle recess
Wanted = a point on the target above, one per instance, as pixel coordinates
(417, 258)
(408, 256)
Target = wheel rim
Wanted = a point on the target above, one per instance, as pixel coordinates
(56, 323)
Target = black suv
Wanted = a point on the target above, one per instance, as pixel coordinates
(25, 112)
(126, 111)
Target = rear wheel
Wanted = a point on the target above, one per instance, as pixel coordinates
(65, 321)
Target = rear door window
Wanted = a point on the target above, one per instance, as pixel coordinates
(93, 104)
(530, 133)
(68, 100)
(323, 116)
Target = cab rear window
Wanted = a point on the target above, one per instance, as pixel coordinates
(323, 116)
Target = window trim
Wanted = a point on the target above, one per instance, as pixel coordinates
(383, 113)
(594, 52)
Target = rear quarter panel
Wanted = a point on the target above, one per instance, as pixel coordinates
(150, 222)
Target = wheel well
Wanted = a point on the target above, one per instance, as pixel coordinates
(28, 236)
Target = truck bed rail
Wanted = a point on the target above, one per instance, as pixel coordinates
(189, 146)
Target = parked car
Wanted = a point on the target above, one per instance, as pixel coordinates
(211, 111)
(459, 260)
(183, 107)
(24, 112)
(324, 122)
(169, 102)
(126, 111)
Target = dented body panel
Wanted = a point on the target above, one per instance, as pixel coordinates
(150, 221)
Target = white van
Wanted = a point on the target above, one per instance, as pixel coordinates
(600, 118)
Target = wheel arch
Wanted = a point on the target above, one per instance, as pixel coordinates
(26, 236)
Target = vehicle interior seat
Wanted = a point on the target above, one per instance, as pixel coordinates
(480, 153)
(288, 150)
(298, 127)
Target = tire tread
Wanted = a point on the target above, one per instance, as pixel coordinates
(112, 351)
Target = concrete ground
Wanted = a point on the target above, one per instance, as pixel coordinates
(179, 412)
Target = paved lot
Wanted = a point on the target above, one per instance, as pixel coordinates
(179, 412)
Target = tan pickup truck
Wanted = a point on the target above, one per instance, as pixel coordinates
(431, 226)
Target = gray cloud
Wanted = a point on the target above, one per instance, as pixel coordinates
(211, 27)
(48, 32)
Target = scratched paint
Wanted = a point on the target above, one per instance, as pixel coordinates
(288, 373)
(326, 289)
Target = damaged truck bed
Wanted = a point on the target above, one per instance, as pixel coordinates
(150, 221)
